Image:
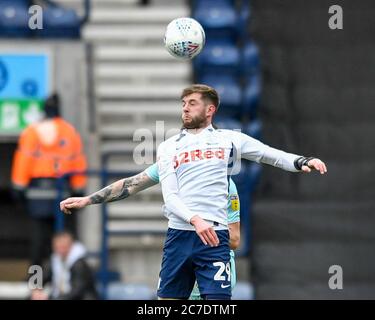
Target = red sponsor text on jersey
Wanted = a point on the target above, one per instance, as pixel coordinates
(195, 155)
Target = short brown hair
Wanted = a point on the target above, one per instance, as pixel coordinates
(63, 233)
(208, 93)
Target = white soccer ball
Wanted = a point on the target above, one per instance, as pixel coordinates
(184, 38)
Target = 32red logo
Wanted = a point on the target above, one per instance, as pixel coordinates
(195, 155)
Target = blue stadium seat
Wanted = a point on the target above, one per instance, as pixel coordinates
(60, 23)
(244, 17)
(121, 291)
(247, 180)
(218, 18)
(195, 3)
(26, 3)
(254, 129)
(254, 172)
(229, 91)
(227, 123)
(243, 291)
(250, 59)
(241, 177)
(218, 57)
(14, 19)
(251, 95)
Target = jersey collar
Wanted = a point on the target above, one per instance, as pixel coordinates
(209, 128)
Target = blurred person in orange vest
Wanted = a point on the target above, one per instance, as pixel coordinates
(46, 150)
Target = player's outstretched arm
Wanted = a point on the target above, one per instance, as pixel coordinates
(255, 150)
(118, 190)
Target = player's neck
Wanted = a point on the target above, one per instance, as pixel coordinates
(198, 130)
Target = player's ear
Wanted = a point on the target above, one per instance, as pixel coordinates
(211, 109)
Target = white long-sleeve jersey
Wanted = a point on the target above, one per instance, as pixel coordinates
(194, 169)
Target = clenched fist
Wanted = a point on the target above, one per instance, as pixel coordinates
(74, 203)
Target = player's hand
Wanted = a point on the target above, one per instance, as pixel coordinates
(315, 164)
(38, 294)
(205, 231)
(67, 205)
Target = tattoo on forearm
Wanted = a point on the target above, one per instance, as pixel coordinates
(117, 191)
(102, 195)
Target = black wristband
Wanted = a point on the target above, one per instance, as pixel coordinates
(302, 161)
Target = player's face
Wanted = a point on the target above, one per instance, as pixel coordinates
(61, 246)
(195, 111)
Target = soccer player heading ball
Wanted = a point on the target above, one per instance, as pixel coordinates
(193, 169)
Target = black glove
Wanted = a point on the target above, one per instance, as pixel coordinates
(302, 161)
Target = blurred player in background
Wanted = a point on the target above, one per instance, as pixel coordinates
(129, 186)
(46, 150)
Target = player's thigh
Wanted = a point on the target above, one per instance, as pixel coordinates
(212, 267)
(176, 278)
